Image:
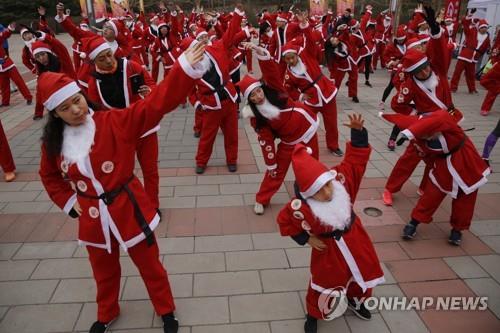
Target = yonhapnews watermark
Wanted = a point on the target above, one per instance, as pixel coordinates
(333, 303)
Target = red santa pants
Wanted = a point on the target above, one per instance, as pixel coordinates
(38, 104)
(13, 74)
(470, 78)
(227, 120)
(488, 101)
(462, 208)
(329, 113)
(248, 59)
(312, 297)
(379, 52)
(107, 274)
(147, 155)
(76, 61)
(270, 185)
(402, 171)
(198, 120)
(338, 76)
(6, 160)
(155, 70)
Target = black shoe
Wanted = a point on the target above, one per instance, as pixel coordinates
(37, 117)
(29, 102)
(337, 152)
(159, 213)
(311, 325)
(410, 230)
(361, 312)
(367, 83)
(197, 134)
(232, 167)
(99, 327)
(170, 323)
(355, 99)
(455, 237)
(200, 169)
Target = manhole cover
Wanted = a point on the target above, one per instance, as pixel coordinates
(372, 211)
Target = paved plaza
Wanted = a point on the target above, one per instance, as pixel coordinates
(230, 270)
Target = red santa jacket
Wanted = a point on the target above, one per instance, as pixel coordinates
(393, 53)
(383, 33)
(28, 59)
(110, 164)
(290, 31)
(455, 163)
(353, 255)
(5, 62)
(316, 87)
(62, 53)
(296, 123)
(220, 56)
(475, 44)
(491, 80)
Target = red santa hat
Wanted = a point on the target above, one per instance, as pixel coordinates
(290, 47)
(186, 43)
(282, 17)
(92, 46)
(448, 18)
(310, 174)
(353, 23)
(39, 46)
(401, 32)
(113, 25)
(55, 88)
(482, 24)
(162, 24)
(413, 59)
(247, 85)
(418, 40)
(418, 19)
(200, 32)
(23, 30)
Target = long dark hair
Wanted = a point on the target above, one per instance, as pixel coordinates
(275, 97)
(54, 64)
(52, 137)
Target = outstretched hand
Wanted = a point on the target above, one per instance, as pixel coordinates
(195, 53)
(356, 121)
(60, 10)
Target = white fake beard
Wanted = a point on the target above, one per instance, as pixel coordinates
(268, 110)
(299, 68)
(77, 140)
(335, 213)
(205, 64)
(387, 23)
(480, 38)
(432, 82)
(30, 43)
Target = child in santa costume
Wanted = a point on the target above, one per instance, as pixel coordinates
(96, 152)
(6, 160)
(455, 168)
(343, 256)
(273, 114)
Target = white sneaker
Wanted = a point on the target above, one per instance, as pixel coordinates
(258, 208)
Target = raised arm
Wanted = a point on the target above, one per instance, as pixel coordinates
(269, 68)
(234, 27)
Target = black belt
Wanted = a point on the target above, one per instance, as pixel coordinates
(337, 234)
(454, 150)
(310, 85)
(223, 95)
(109, 197)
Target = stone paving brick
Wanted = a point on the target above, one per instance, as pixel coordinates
(26, 292)
(134, 314)
(62, 268)
(490, 263)
(226, 179)
(178, 202)
(390, 251)
(223, 243)
(240, 328)
(20, 230)
(7, 250)
(176, 245)
(266, 241)
(489, 288)
(75, 290)
(420, 270)
(177, 181)
(460, 321)
(41, 318)
(181, 284)
(485, 228)
(13, 186)
(293, 279)
(195, 190)
(27, 207)
(431, 248)
(202, 311)
(389, 279)
(46, 250)
(297, 326)
(374, 325)
(264, 307)
(194, 263)
(227, 283)
(299, 257)
(492, 241)
(219, 201)
(17, 270)
(465, 267)
(247, 260)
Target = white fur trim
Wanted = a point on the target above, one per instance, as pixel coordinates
(239, 12)
(265, 57)
(416, 65)
(279, 18)
(99, 49)
(247, 112)
(288, 51)
(69, 204)
(40, 50)
(250, 88)
(309, 150)
(194, 72)
(61, 95)
(408, 134)
(60, 20)
(324, 178)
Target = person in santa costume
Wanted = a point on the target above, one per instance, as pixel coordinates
(165, 48)
(476, 43)
(284, 32)
(383, 35)
(273, 114)
(305, 81)
(8, 71)
(455, 169)
(426, 89)
(343, 259)
(116, 84)
(450, 31)
(217, 97)
(95, 151)
(491, 78)
(363, 40)
(6, 159)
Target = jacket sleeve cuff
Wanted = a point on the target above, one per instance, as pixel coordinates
(359, 139)
(195, 72)
(301, 238)
(408, 134)
(265, 57)
(69, 204)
